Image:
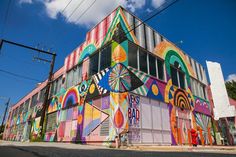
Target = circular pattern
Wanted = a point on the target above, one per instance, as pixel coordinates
(119, 79)
(181, 100)
(155, 90)
(83, 88)
(92, 88)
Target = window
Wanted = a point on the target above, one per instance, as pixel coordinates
(152, 65)
(51, 122)
(178, 76)
(21, 107)
(59, 84)
(196, 69)
(143, 61)
(203, 91)
(132, 55)
(105, 57)
(75, 77)
(69, 79)
(56, 86)
(200, 71)
(26, 105)
(93, 65)
(34, 100)
(198, 88)
(160, 66)
(17, 111)
(174, 76)
(42, 94)
(182, 79)
(78, 75)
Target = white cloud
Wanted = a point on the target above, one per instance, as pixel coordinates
(74, 13)
(25, 1)
(157, 3)
(231, 77)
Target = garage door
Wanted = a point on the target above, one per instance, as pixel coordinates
(154, 126)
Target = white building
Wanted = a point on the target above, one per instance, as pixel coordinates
(220, 97)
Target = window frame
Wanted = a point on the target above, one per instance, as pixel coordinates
(178, 77)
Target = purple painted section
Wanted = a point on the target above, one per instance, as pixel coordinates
(202, 106)
(162, 87)
(79, 137)
(105, 102)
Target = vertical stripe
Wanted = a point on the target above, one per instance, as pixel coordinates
(130, 20)
(154, 39)
(77, 56)
(68, 62)
(149, 39)
(145, 35)
(88, 36)
(96, 34)
(74, 56)
(105, 27)
(101, 30)
(140, 33)
(157, 38)
(93, 34)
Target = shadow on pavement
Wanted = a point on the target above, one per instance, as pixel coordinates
(37, 151)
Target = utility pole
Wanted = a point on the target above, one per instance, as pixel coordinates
(46, 98)
(4, 116)
(49, 80)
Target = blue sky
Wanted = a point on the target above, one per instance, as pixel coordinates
(206, 27)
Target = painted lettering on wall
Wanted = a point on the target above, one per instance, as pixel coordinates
(134, 111)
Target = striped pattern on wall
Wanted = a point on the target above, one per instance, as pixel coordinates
(95, 36)
(147, 38)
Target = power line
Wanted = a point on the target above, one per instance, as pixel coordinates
(6, 16)
(20, 76)
(75, 9)
(86, 9)
(66, 6)
(129, 30)
(152, 16)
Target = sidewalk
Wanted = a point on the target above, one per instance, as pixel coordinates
(223, 149)
(142, 148)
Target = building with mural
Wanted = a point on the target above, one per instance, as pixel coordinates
(125, 80)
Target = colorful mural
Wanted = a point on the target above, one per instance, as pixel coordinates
(107, 104)
(204, 126)
(71, 97)
(202, 106)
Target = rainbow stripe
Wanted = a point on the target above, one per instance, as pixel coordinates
(71, 97)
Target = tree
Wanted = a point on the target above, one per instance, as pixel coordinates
(231, 89)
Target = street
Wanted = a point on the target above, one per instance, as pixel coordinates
(8, 149)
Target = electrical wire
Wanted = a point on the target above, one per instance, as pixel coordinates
(75, 9)
(86, 10)
(66, 6)
(152, 16)
(20, 76)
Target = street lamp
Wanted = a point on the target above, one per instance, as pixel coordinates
(52, 62)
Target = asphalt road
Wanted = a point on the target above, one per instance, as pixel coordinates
(51, 151)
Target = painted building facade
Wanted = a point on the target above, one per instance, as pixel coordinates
(124, 80)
